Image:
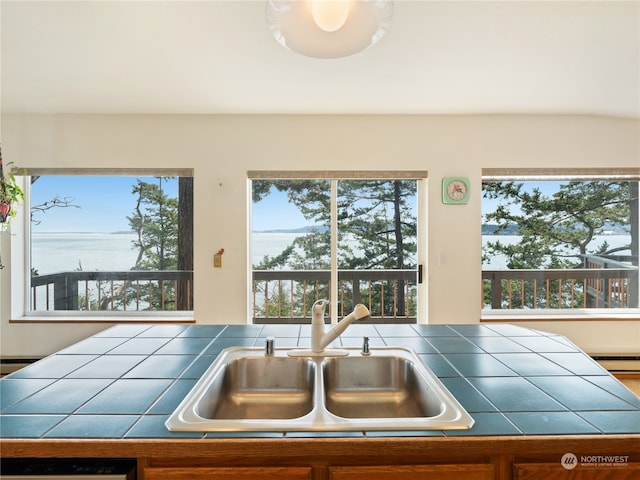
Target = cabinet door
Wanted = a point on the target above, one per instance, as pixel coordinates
(414, 472)
(555, 471)
(248, 473)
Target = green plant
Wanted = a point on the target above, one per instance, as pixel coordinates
(10, 192)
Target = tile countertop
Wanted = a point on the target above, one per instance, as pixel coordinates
(124, 382)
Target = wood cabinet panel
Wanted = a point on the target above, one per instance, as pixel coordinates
(414, 472)
(231, 473)
(555, 471)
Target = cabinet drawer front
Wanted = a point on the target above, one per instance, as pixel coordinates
(414, 472)
(555, 471)
(206, 473)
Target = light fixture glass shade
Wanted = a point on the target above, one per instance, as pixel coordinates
(330, 15)
(328, 28)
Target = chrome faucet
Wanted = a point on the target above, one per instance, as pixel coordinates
(321, 339)
(269, 347)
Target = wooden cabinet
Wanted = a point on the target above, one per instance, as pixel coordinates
(555, 471)
(346, 458)
(230, 473)
(414, 472)
(389, 472)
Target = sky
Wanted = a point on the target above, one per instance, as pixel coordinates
(547, 188)
(275, 212)
(104, 202)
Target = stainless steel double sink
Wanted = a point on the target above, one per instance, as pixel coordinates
(390, 389)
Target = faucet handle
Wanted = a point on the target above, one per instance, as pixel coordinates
(365, 346)
(269, 347)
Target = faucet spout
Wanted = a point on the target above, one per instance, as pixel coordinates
(321, 339)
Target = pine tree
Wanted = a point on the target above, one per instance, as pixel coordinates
(376, 230)
(556, 231)
(155, 221)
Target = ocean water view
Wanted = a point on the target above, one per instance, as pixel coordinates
(59, 252)
(64, 252)
(499, 262)
(270, 243)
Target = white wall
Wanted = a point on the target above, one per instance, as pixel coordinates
(222, 148)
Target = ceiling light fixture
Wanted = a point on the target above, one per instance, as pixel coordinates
(330, 15)
(328, 28)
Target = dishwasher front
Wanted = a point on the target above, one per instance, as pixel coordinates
(72, 469)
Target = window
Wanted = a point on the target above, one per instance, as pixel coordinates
(560, 241)
(350, 237)
(110, 245)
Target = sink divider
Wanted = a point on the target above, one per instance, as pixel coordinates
(210, 387)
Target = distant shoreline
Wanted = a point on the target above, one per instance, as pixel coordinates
(307, 229)
(83, 233)
(487, 230)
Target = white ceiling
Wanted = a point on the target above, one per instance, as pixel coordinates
(447, 57)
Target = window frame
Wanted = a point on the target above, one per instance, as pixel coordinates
(558, 174)
(421, 177)
(20, 265)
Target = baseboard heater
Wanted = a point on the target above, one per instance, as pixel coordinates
(13, 364)
(620, 364)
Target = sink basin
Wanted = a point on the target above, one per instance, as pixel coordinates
(260, 387)
(378, 387)
(245, 390)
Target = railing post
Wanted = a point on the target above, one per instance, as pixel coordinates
(65, 293)
(355, 282)
(634, 207)
(72, 298)
(496, 292)
(60, 293)
(634, 290)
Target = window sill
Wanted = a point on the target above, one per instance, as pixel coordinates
(114, 317)
(551, 315)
